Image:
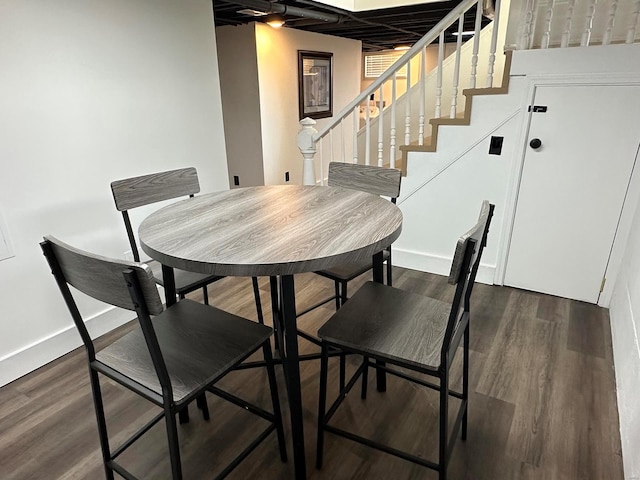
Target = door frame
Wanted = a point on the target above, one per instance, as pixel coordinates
(515, 176)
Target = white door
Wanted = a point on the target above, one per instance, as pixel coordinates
(573, 188)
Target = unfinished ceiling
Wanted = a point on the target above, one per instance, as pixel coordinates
(378, 30)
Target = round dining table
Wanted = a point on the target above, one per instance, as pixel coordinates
(275, 231)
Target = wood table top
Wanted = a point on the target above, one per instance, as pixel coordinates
(272, 230)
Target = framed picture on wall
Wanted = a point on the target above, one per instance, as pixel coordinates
(315, 84)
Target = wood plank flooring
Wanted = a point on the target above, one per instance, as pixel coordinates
(543, 403)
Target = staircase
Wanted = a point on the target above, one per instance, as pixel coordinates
(401, 127)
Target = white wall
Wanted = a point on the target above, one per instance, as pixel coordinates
(443, 190)
(259, 78)
(278, 77)
(625, 328)
(92, 91)
(238, 62)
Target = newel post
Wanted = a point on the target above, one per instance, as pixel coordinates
(307, 147)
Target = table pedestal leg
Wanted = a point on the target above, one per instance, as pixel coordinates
(169, 284)
(292, 371)
(381, 377)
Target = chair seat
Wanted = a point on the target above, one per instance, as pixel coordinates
(348, 271)
(199, 343)
(389, 323)
(185, 281)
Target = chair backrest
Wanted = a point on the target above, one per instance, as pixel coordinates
(464, 268)
(138, 191)
(479, 233)
(100, 277)
(366, 178)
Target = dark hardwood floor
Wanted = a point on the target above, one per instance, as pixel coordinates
(543, 403)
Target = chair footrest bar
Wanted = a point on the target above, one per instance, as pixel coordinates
(319, 304)
(245, 453)
(278, 360)
(382, 448)
(308, 337)
(125, 381)
(409, 378)
(242, 403)
(343, 393)
(127, 443)
(116, 467)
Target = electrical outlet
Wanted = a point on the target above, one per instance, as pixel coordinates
(128, 255)
(236, 180)
(286, 176)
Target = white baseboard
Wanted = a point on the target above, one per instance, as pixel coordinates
(426, 262)
(19, 363)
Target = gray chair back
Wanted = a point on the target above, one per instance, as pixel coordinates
(366, 178)
(478, 233)
(138, 191)
(100, 277)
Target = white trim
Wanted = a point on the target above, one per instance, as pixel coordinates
(437, 264)
(626, 218)
(29, 358)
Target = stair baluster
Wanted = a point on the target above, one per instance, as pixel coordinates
(586, 34)
(606, 39)
(456, 71)
(342, 149)
(476, 44)
(407, 108)
(380, 128)
(439, 74)
(494, 44)
(331, 145)
(546, 37)
(367, 134)
(392, 139)
(566, 34)
(633, 23)
(423, 86)
(356, 117)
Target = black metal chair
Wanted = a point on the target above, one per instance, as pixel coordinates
(136, 192)
(410, 331)
(169, 359)
(370, 179)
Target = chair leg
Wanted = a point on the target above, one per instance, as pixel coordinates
(365, 377)
(201, 402)
(183, 415)
(102, 423)
(273, 387)
(256, 295)
(336, 287)
(444, 413)
(205, 295)
(174, 445)
(322, 402)
(465, 382)
(343, 293)
(275, 311)
(343, 369)
(389, 270)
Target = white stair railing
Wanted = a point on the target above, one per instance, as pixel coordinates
(386, 123)
(578, 23)
(543, 24)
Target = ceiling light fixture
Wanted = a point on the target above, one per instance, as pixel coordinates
(402, 47)
(466, 32)
(275, 22)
